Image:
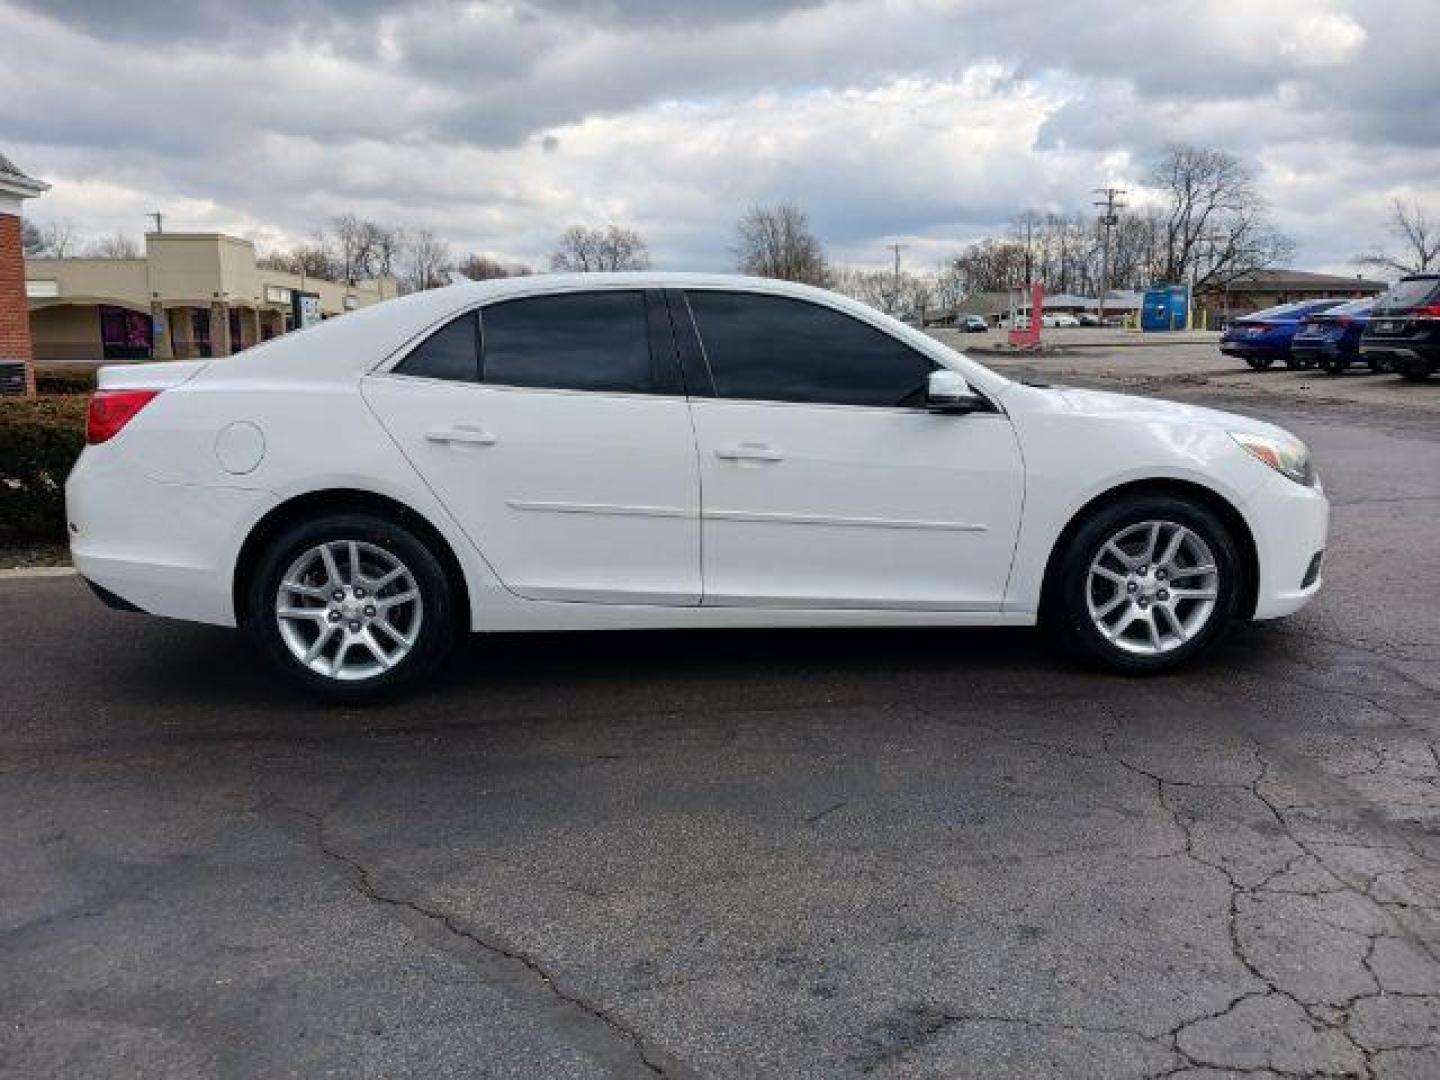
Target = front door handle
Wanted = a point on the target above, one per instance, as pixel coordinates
(749, 452)
(465, 436)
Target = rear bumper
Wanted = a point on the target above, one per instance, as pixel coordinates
(1396, 353)
(1290, 524)
(165, 549)
(1247, 349)
(1320, 350)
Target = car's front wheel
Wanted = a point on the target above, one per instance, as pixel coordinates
(1259, 361)
(1146, 584)
(350, 604)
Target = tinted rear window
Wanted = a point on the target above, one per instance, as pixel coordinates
(572, 341)
(1408, 293)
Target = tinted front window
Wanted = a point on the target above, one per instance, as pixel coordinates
(452, 352)
(770, 348)
(572, 341)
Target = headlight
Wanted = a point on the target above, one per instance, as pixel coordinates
(1289, 457)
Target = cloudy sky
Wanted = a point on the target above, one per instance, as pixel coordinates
(928, 122)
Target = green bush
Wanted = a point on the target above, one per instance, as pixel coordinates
(40, 438)
(67, 380)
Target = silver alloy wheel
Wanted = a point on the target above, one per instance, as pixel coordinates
(349, 610)
(1152, 587)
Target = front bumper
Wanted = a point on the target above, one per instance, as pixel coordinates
(1290, 523)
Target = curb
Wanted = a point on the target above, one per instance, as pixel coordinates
(37, 572)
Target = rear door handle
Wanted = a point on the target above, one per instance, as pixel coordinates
(749, 452)
(465, 436)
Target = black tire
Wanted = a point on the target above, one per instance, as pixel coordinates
(1065, 614)
(1333, 365)
(1259, 362)
(1416, 371)
(436, 607)
(1376, 365)
(1294, 363)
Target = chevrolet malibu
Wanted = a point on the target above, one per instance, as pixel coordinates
(664, 450)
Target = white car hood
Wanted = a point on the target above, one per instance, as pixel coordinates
(1102, 403)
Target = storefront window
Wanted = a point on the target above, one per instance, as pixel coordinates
(125, 334)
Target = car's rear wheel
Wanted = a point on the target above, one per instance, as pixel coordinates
(1146, 584)
(1416, 371)
(1296, 363)
(1333, 365)
(1258, 361)
(350, 605)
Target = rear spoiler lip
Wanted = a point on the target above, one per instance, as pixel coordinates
(160, 375)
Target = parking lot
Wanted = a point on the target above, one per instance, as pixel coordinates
(901, 853)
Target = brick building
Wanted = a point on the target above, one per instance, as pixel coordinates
(17, 374)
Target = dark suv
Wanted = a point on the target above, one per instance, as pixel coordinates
(1403, 334)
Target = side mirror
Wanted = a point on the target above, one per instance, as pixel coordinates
(948, 392)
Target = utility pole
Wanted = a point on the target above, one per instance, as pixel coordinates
(895, 296)
(159, 220)
(1108, 220)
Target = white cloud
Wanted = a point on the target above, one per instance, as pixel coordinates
(498, 124)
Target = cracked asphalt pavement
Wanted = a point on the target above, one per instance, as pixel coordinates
(909, 853)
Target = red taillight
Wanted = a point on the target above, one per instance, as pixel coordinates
(111, 410)
(1426, 311)
(1344, 320)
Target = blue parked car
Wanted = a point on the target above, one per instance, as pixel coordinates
(1264, 337)
(1331, 339)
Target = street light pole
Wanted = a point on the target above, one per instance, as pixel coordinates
(895, 296)
(1111, 202)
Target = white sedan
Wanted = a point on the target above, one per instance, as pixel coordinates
(1059, 319)
(666, 450)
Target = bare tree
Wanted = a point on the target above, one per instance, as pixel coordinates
(352, 246)
(776, 242)
(481, 267)
(32, 242)
(115, 246)
(1214, 223)
(989, 265)
(428, 259)
(1419, 236)
(50, 239)
(307, 260)
(609, 249)
(387, 246)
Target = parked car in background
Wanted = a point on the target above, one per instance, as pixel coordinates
(973, 324)
(1264, 337)
(1088, 318)
(1330, 339)
(1403, 334)
(616, 451)
(1059, 319)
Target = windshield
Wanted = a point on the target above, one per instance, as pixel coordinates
(1409, 292)
(1283, 311)
(1354, 307)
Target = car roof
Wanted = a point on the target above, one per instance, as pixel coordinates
(353, 344)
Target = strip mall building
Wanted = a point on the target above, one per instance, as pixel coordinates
(191, 295)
